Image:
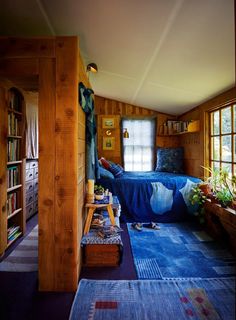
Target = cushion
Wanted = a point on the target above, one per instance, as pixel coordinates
(104, 163)
(116, 170)
(104, 173)
(170, 160)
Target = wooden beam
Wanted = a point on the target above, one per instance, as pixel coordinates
(47, 160)
(26, 67)
(3, 170)
(11, 47)
(66, 182)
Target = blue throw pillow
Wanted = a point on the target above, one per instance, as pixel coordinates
(116, 169)
(104, 173)
(170, 160)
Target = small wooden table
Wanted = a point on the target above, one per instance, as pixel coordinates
(92, 207)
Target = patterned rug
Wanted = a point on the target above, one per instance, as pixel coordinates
(25, 256)
(211, 299)
(179, 250)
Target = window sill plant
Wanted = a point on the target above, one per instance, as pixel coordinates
(198, 198)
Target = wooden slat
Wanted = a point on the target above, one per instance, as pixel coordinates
(3, 166)
(26, 67)
(27, 47)
(66, 190)
(47, 160)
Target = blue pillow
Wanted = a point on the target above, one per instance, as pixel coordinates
(104, 173)
(170, 160)
(116, 169)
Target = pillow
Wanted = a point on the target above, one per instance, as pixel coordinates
(116, 170)
(170, 160)
(104, 163)
(104, 173)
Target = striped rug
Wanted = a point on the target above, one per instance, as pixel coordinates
(25, 256)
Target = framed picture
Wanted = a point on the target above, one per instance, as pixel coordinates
(108, 123)
(108, 143)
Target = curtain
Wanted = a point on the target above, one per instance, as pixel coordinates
(138, 149)
(32, 130)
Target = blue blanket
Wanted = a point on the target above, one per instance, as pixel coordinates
(152, 196)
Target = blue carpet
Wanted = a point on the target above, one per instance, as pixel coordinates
(211, 299)
(179, 250)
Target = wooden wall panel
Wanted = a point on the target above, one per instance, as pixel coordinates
(47, 161)
(3, 165)
(111, 108)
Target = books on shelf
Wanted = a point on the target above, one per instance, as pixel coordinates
(13, 232)
(172, 127)
(13, 127)
(11, 203)
(12, 176)
(15, 100)
(13, 149)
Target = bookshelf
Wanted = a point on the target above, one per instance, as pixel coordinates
(13, 221)
(177, 127)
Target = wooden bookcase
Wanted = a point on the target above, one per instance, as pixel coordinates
(13, 142)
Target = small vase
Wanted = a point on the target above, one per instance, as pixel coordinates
(99, 196)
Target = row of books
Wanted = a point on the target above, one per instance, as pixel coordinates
(11, 203)
(12, 176)
(13, 150)
(173, 127)
(13, 233)
(13, 128)
(15, 100)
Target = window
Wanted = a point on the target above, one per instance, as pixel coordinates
(223, 139)
(138, 149)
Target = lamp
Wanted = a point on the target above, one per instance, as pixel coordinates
(125, 133)
(92, 67)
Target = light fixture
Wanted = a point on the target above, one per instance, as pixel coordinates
(92, 67)
(125, 133)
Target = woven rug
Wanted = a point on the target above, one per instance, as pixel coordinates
(211, 299)
(25, 256)
(179, 250)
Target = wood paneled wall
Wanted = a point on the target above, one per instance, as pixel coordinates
(196, 145)
(105, 107)
(54, 61)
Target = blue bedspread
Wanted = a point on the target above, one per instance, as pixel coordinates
(152, 196)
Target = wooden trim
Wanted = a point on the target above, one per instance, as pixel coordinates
(25, 67)
(3, 166)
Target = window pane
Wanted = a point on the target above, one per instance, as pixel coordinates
(226, 120)
(215, 165)
(226, 148)
(234, 147)
(215, 122)
(227, 167)
(215, 148)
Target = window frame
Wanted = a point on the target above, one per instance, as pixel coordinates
(232, 134)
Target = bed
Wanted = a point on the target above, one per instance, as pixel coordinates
(152, 196)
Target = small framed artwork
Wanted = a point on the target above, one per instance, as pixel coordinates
(108, 123)
(108, 143)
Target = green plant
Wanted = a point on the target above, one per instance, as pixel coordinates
(98, 189)
(198, 198)
(224, 196)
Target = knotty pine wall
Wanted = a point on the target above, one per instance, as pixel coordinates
(196, 145)
(105, 107)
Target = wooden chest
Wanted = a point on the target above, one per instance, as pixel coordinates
(101, 255)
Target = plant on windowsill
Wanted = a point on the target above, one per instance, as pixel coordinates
(225, 197)
(198, 198)
(99, 192)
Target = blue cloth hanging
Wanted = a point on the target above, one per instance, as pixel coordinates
(87, 103)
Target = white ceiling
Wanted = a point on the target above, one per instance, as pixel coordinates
(167, 55)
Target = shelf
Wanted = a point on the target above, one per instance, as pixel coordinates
(14, 188)
(14, 137)
(14, 213)
(14, 162)
(192, 127)
(9, 243)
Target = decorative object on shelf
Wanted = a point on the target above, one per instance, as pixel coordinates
(108, 143)
(108, 123)
(176, 127)
(99, 192)
(125, 133)
(92, 67)
(108, 132)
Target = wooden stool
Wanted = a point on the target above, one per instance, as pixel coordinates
(92, 207)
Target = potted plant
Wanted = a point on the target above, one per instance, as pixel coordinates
(99, 192)
(198, 198)
(225, 197)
